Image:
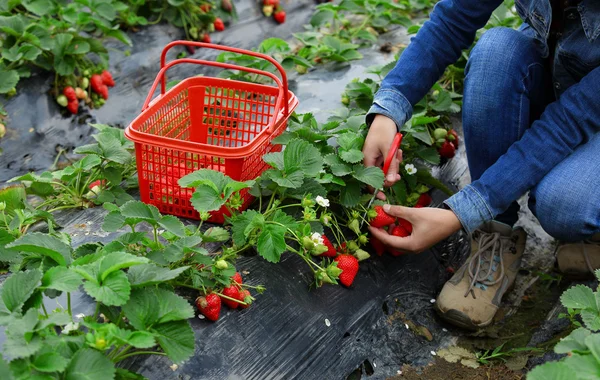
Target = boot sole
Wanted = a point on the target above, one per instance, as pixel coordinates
(460, 319)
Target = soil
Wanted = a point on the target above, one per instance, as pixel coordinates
(443, 370)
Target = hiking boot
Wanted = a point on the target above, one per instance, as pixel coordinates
(471, 298)
(579, 260)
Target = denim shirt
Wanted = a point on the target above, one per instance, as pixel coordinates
(565, 124)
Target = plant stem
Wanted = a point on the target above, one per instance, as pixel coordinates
(69, 305)
(118, 359)
(44, 309)
(97, 311)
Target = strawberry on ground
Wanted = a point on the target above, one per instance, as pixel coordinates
(349, 266)
(447, 150)
(232, 292)
(382, 219)
(107, 78)
(237, 278)
(69, 92)
(245, 295)
(209, 306)
(73, 106)
(398, 231)
(206, 38)
(279, 16)
(331, 252)
(377, 245)
(219, 25)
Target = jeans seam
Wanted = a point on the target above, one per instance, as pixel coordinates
(483, 201)
(523, 94)
(395, 92)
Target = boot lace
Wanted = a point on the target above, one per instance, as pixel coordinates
(487, 260)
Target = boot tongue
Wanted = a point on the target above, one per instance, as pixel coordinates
(494, 226)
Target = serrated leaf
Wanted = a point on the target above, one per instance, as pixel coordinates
(309, 186)
(350, 194)
(89, 364)
(579, 297)
(20, 339)
(172, 307)
(138, 339)
(215, 234)
(173, 225)
(351, 156)
(572, 342)
(49, 362)
(275, 159)
(17, 289)
(239, 225)
(62, 279)
(113, 221)
(430, 155)
(118, 260)
(142, 309)
(141, 211)
(282, 218)
(207, 177)
(175, 251)
(271, 242)
(442, 103)
(205, 198)
(585, 366)
(289, 180)
(150, 274)
(550, 371)
(44, 244)
(593, 343)
(176, 339)
(113, 291)
(591, 319)
(301, 155)
(372, 175)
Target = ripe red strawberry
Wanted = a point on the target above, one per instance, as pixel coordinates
(190, 49)
(382, 219)
(447, 150)
(219, 25)
(398, 231)
(104, 92)
(73, 106)
(424, 200)
(97, 83)
(273, 3)
(107, 78)
(209, 306)
(245, 296)
(205, 8)
(331, 252)
(206, 38)
(100, 182)
(70, 93)
(279, 16)
(349, 266)
(237, 278)
(232, 292)
(377, 245)
(454, 139)
(405, 224)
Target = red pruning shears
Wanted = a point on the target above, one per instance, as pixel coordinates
(386, 166)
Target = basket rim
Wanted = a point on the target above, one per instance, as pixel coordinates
(202, 148)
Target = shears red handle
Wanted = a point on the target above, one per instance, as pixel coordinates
(392, 152)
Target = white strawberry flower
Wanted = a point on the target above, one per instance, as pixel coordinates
(70, 327)
(410, 169)
(323, 202)
(317, 238)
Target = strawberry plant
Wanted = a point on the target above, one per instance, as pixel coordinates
(95, 179)
(582, 344)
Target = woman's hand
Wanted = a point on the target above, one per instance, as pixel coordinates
(377, 144)
(430, 226)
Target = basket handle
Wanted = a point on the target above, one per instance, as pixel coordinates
(161, 77)
(163, 57)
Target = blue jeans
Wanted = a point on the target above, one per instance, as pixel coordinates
(507, 87)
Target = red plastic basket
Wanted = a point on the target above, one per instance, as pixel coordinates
(206, 122)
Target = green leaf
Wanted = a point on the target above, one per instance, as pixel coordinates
(239, 225)
(138, 339)
(116, 261)
(150, 274)
(372, 176)
(430, 155)
(172, 307)
(175, 252)
(283, 218)
(593, 343)
(5, 370)
(337, 166)
(89, 364)
(57, 318)
(591, 319)
(46, 245)
(352, 156)
(585, 366)
(13, 25)
(112, 148)
(442, 103)
(211, 178)
(301, 155)
(573, 342)
(114, 290)
(119, 35)
(274, 159)
(17, 289)
(113, 221)
(142, 309)
(141, 211)
(20, 339)
(551, 371)
(106, 10)
(176, 339)
(291, 180)
(49, 362)
(365, 35)
(62, 279)
(579, 297)
(205, 198)
(271, 242)
(8, 80)
(173, 225)
(215, 234)
(350, 194)
(39, 7)
(321, 16)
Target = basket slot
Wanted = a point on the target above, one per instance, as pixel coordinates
(198, 132)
